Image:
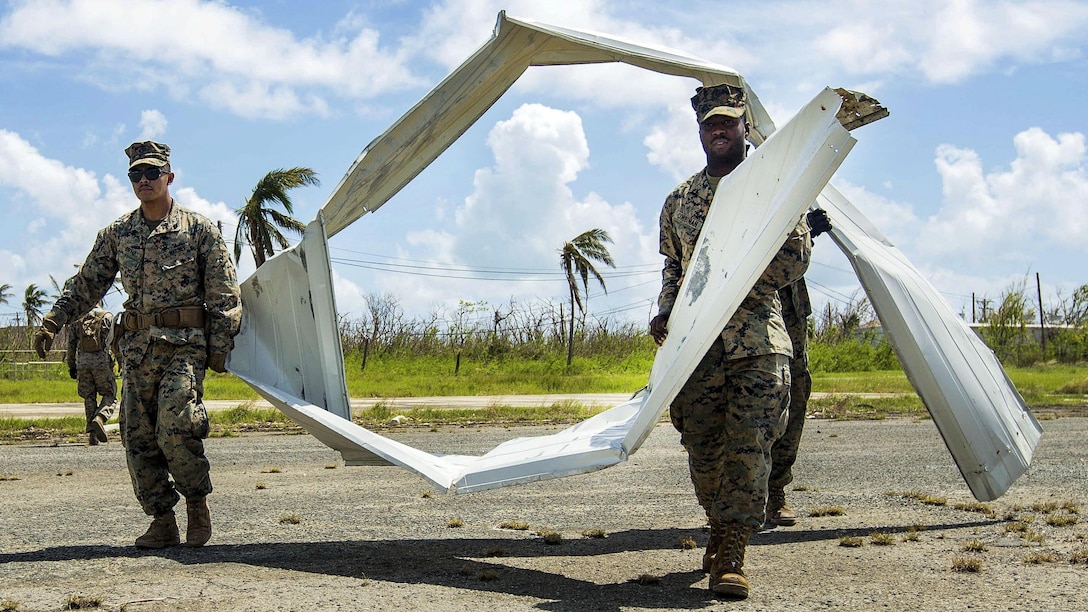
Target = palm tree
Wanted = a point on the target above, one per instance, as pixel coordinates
(5, 293)
(259, 224)
(33, 302)
(575, 260)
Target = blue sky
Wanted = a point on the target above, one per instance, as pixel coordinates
(978, 176)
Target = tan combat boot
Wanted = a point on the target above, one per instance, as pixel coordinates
(199, 529)
(97, 429)
(717, 532)
(163, 532)
(726, 573)
(778, 513)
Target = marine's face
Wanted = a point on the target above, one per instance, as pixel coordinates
(148, 189)
(723, 138)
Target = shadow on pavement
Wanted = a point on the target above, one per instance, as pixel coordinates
(477, 564)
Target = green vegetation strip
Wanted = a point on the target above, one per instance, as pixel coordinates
(1051, 390)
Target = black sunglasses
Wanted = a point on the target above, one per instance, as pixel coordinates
(152, 174)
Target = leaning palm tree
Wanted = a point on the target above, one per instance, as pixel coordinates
(575, 260)
(259, 225)
(33, 302)
(5, 293)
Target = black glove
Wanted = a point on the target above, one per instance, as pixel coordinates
(72, 372)
(659, 328)
(818, 222)
(43, 338)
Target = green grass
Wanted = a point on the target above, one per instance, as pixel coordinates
(51, 391)
(1043, 387)
(432, 376)
(558, 412)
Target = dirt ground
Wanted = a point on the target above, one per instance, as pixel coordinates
(294, 529)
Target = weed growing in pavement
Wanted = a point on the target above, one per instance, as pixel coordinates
(827, 511)
(910, 536)
(687, 543)
(1060, 520)
(966, 564)
(3, 478)
(271, 470)
(454, 523)
(1039, 556)
(9, 605)
(261, 486)
(82, 602)
(851, 541)
(881, 538)
(978, 507)
(1032, 536)
(925, 498)
(1079, 556)
(974, 546)
(331, 466)
(290, 519)
(515, 525)
(593, 533)
(550, 537)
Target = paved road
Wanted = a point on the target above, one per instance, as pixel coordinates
(27, 411)
(294, 529)
(604, 400)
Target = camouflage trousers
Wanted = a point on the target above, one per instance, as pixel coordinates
(784, 451)
(729, 413)
(163, 424)
(94, 382)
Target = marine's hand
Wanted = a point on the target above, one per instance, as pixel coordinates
(218, 362)
(818, 222)
(659, 328)
(72, 373)
(43, 338)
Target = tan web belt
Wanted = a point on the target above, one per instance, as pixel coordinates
(185, 316)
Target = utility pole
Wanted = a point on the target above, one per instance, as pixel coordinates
(1042, 329)
(973, 307)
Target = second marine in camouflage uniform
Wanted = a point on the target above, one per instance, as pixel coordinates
(91, 365)
(796, 308)
(182, 313)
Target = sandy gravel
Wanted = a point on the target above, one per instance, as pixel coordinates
(378, 538)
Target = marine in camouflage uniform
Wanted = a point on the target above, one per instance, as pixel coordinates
(796, 308)
(91, 365)
(734, 405)
(182, 313)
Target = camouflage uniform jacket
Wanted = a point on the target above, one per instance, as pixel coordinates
(82, 359)
(757, 327)
(796, 308)
(183, 261)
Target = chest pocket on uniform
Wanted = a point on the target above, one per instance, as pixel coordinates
(166, 267)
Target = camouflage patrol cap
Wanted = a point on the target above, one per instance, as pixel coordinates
(148, 152)
(725, 100)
